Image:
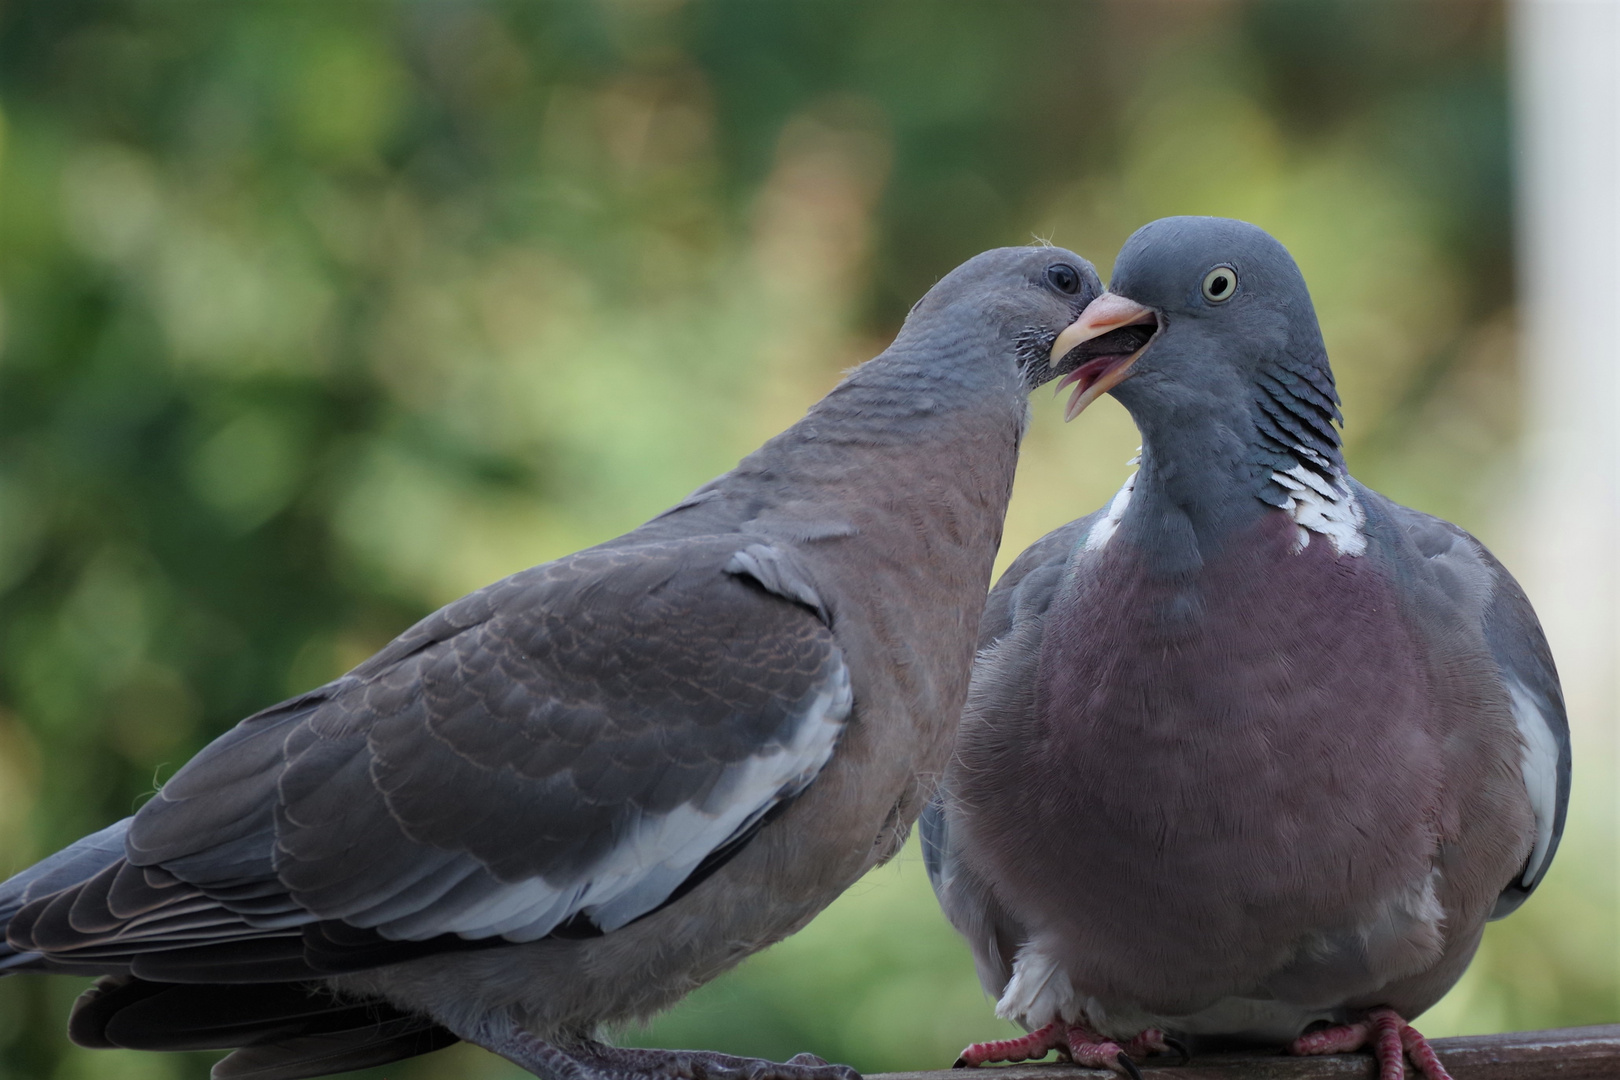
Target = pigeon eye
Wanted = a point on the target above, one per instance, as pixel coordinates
(1064, 278)
(1219, 284)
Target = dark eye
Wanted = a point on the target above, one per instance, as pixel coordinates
(1064, 278)
(1219, 284)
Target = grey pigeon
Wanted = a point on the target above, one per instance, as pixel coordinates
(571, 797)
(1253, 753)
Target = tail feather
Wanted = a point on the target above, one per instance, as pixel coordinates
(284, 1030)
(160, 945)
(322, 1055)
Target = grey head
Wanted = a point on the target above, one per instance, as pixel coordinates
(1019, 297)
(1207, 335)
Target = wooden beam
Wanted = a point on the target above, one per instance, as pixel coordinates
(1584, 1053)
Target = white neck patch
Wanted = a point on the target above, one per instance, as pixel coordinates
(1103, 531)
(1329, 509)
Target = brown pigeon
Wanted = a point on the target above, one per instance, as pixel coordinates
(571, 797)
(1253, 751)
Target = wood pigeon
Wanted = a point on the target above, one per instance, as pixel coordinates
(1253, 753)
(573, 796)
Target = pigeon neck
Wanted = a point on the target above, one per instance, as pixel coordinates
(1213, 464)
(1194, 489)
(912, 394)
(898, 423)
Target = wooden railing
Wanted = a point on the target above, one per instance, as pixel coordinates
(1584, 1053)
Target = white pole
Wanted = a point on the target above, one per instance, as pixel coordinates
(1566, 61)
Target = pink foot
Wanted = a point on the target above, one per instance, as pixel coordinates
(1154, 1041)
(1393, 1039)
(1422, 1054)
(1082, 1045)
(1034, 1045)
(1091, 1050)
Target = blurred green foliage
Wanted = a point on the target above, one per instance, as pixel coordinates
(316, 316)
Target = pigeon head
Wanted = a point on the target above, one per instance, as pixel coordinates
(1209, 316)
(1021, 297)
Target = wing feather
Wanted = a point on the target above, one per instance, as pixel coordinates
(1474, 581)
(576, 742)
(1009, 647)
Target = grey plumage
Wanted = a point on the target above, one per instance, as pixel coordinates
(573, 796)
(1254, 747)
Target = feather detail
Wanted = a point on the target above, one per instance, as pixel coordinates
(1104, 530)
(1330, 509)
(1540, 766)
(1038, 992)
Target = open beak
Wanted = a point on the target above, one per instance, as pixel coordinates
(1107, 361)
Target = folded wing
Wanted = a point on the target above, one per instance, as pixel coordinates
(560, 753)
(1479, 586)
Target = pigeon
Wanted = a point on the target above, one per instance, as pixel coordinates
(565, 800)
(1252, 754)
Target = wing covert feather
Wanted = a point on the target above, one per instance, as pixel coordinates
(1466, 572)
(1009, 647)
(576, 739)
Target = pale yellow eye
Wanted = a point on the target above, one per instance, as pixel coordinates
(1219, 284)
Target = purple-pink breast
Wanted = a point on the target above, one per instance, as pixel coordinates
(1212, 771)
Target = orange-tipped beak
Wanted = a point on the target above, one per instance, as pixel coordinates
(1091, 380)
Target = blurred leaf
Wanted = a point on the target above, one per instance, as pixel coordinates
(313, 317)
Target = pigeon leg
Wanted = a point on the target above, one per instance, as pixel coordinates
(1392, 1039)
(1422, 1054)
(1332, 1040)
(1081, 1044)
(1034, 1045)
(1154, 1041)
(596, 1061)
(1091, 1050)
(621, 1063)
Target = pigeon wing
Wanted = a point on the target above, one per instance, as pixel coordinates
(1481, 589)
(561, 752)
(1003, 678)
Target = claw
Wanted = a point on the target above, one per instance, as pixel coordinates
(1089, 1049)
(1152, 1042)
(1392, 1040)
(1037, 1044)
(591, 1060)
(1180, 1048)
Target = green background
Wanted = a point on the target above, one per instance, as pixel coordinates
(314, 317)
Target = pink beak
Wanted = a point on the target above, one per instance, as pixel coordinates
(1096, 377)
